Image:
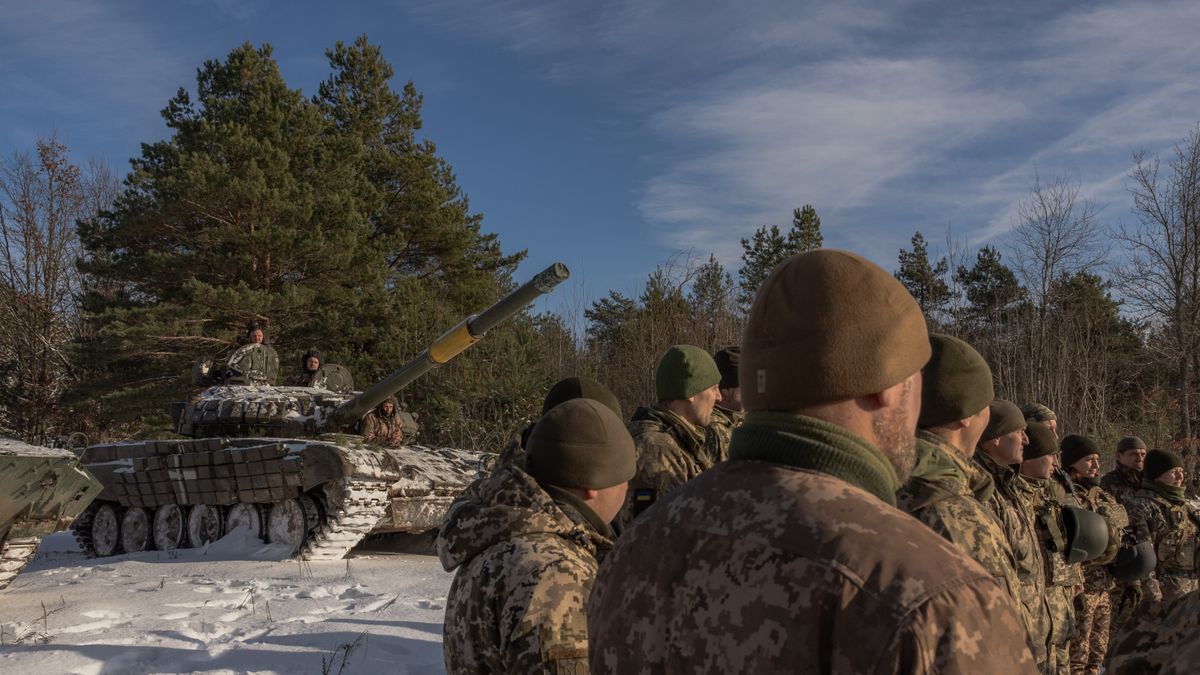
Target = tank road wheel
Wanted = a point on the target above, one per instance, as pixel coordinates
(106, 531)
(287, 524)
(312, 512)
(170, 528)
(135, 530)
(204, 524)
(246, 517)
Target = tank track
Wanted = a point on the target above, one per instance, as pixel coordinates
(352, 510)
(81, 527)
(14, 555)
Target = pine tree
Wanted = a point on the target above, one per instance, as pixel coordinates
(768, 247)
(991, 288)
(926, 281)
(805, 234)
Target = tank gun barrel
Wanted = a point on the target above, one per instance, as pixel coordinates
(452, 343)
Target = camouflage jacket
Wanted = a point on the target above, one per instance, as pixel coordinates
(1011, 504)
(720, 432)
(670, 452)
(1094, 498)
(386, 431)
(1121, 482)
(948, 493)
(1048, 497)
(526, 561)
(773, 568)
(1159, 641)
(1171, 525)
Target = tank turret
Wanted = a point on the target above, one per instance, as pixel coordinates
(284, 463)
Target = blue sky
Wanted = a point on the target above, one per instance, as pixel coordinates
(615, 135)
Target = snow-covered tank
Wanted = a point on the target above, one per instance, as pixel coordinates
(40, 490)
(282, 463)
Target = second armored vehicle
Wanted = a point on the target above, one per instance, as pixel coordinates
(278, 462)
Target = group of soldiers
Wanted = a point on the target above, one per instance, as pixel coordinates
(843, 494)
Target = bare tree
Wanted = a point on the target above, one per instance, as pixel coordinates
(41, 199)
(1161, 274)
(1056, 236)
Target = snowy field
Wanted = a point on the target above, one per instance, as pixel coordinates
(230, 608)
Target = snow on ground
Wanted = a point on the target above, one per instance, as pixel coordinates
(232, 607)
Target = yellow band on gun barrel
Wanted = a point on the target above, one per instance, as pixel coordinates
(451, 344)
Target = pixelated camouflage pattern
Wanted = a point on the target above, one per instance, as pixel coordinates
(945, 492)
(670, 452)
(1172, 526)
(1063, 580)
(1012, 504)
(1121, 482)
(526, 562)
(720, 432)
(774, 569)
(1093, 611)
(1160, 641)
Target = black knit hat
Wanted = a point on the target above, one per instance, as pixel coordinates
(1041, 441)
(1076, 447)
(727, 362)
(1159, 462)
(580, 387)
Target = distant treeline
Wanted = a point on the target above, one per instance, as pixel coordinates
(333, 221)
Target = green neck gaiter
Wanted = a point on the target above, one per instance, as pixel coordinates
(809, 443)
(1169, 492)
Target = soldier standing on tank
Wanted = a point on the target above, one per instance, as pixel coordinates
(383, 425)
(947, 491)
(1081, 461)
(1047, 497)
(791, 556)
(727, 415)
(1160, 513)
(526, 542)
(310, 363)
(999, 452)
(1123, 482)
(671, 435)
(566, 389)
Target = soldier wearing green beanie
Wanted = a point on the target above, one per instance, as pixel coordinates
(1159, 512)
(947, 491)
(564, 390)
(672, 436)
(999, 452)
(525, 546)
(792, 555)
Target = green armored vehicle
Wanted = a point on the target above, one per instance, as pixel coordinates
(40, 489)
(282, 463)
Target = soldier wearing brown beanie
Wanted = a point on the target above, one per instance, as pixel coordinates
(525, 542)
(727, 415)
(791, 556)
(1159, 512)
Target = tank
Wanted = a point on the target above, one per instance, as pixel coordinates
(40, 490)
(283, 463)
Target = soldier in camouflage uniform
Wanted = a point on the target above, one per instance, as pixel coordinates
(1161, 641)
(1123, 482)
(566, 389)
(1063, 580)
(1036, 412)
(947, 491)
(526, 547)
(383, 425)
(1159, 512)
(310, 363)
(671, 436)
(1081, 460)
(1000, 452)
(727, 415)
(791, 557)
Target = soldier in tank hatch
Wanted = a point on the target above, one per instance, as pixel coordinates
(526, 543)
(791, 556)
(310, 363)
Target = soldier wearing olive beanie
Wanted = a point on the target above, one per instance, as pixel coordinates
(791, 555)
(673, 437)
